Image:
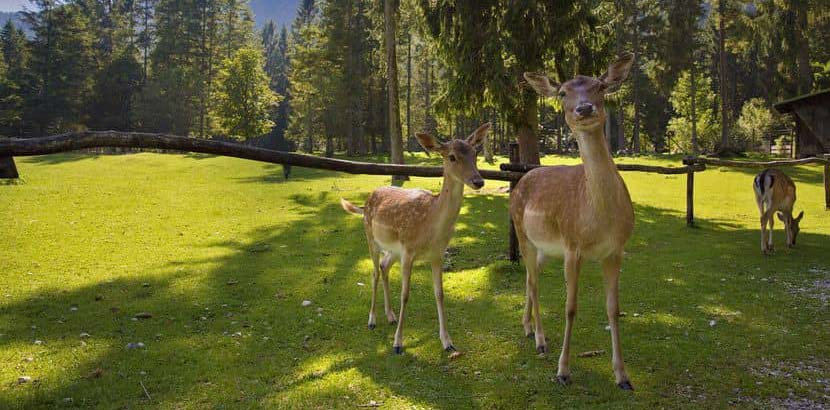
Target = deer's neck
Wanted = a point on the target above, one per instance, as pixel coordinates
(448, 204)
(603, 182)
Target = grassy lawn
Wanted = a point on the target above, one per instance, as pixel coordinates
(222, 252)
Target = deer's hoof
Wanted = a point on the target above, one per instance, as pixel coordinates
(626, 385)
(450, 348)
(371, 326)
(542, 349)
(397, 349)
(393, 322)
(564, 380)
(530, 335)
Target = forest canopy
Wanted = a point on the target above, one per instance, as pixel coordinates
(705, 77)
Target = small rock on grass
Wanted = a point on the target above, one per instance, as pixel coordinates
(143, 315)
(591, 353)
(455, 355)
(712, 323)
(133, 345)
(84, 335)
(306, 303)
(24, 379)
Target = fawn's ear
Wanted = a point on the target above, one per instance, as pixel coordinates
(781, 217)
(541, 84)
(800, 215)
(430, 143)
(617, 72)
(477, 137)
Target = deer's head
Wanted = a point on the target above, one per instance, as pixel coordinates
(792, 226)
(583, 98)
(459, 155)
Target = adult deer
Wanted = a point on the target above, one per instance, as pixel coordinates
(576, 212)
(414, 224)
(775, 193)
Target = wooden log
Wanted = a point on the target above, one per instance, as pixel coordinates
(621, 167)
(90, 139)
(513, 240)
(8, 170)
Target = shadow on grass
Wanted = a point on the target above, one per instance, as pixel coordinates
(61, 158)
(240, 337)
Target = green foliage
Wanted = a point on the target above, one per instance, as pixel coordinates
(680, 125)
(244, 99)
(755, 121)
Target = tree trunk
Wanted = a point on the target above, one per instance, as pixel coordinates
(410, 141)
(390, 13)
(692, 74)
(805, 73)
(526, 123)
(635, 89)
(724, 123)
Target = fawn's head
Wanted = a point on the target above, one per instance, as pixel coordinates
(583, 98)
(459, 155)
(792, 226)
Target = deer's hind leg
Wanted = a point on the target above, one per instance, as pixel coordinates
(374, 253)
(385, 265)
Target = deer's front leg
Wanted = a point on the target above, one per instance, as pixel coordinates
(406, 272)
(438, 288)
(572, 265)
(611, 275)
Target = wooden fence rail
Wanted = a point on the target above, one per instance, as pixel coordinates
(15, 147)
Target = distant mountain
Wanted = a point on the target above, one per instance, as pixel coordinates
(16, 18)
(10, 15)
(281, 11)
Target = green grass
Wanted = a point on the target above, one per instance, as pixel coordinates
(222, 252)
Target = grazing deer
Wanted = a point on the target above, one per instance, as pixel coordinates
(576, 212)
(775, 191)
(415, 224)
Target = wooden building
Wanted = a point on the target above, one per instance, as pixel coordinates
(811, 113)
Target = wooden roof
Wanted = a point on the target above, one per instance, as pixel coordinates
(788, 105)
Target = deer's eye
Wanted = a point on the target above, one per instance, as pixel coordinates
(452, 158)
(561, 94)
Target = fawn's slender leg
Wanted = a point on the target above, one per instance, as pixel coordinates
(406, 273)
(375, 276)
(438, 288)
(385, 265)
(611, 275)
(572, 266)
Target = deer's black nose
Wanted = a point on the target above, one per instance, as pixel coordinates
(584, 109)
(477, 183)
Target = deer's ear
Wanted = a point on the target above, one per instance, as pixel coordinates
(800, 215)
(541, 84)
(617, 72)
(478, 136)
(781, 217)
(430, 143)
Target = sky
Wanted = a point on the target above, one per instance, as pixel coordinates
(12, 5)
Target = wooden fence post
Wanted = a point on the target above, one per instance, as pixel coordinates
(827, 182)
(7, 168)
(690, 191)
(513, 241)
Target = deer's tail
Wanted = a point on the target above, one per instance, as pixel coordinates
(348, 207)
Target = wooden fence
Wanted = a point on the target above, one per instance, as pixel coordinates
(512, 171)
